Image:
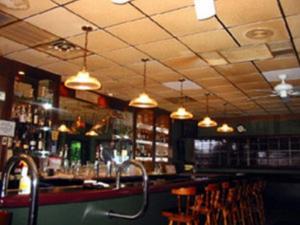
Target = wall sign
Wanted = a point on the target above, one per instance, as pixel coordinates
(7, 128)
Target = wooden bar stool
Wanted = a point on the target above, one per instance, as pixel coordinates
(207, 204)
(185, 202)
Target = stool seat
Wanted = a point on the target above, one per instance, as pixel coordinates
(184, 214)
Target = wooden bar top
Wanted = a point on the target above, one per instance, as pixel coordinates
(78, 193)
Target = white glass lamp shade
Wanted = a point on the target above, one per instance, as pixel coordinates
(120, 2)
(204, 9)
(91, 133)
(82, 81)
(143, 101)
(225, 128)
(207, 122)
(181, 114)
(63, 128)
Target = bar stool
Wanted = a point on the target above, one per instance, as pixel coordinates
(207, 204)
(185, 202)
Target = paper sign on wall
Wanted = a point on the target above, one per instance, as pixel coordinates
(7, 128)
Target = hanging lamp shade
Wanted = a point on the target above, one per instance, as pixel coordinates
(64, 129)
(144, 100)
(181, 113)
(91, 133)
(225, 128)
(207, 121)
(82, 80)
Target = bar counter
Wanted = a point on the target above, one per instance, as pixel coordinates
(76, 205)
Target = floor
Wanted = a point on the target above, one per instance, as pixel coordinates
(283, 216)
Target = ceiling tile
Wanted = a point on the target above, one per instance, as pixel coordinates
(277, 63)
(131, 32)
(213, 58)
(237, 12)
(125, 56)
(164, 49)
(290, 7)
(245, 78)
(184, 62)
(6, 19)
(200, 73)
(236, 69)
(49, 21)
(94, 62)
(294, 23)
(7, 46)
(116, 72)
(275, 31)
(291, 73)
(35, 8)
(113, 14)
(61, 2)
(254, 85)
(173, 76)
(99, 41)
(247, 53)
(158, 6)
(62, 68)
(153, 67)
(187, 24)
(26, 34)
(209, 41)
(32, 57)
(297, 43)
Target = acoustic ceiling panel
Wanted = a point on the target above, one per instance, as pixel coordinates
(209, 41)
(27, 34)
(291, 7)
(247, 53)
(294, 23)
(277, 63)
(158, 6)
(213, 58)
(131, 32)
(188, 24)
(106, 14)
(7, 46)
(246, 11)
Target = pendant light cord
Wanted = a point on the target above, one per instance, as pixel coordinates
(207, 94)
(87, 29)
(85, 50)
(144, 84)
(181, 92)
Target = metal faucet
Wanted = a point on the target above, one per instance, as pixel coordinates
(34, 189)
(143, 208)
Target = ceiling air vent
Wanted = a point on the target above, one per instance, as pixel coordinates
(62, 48)
(27, 34)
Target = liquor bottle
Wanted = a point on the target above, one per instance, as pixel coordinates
(22, 114)
(29, 114)
(41, 116)
(35, 116)
(40, 142)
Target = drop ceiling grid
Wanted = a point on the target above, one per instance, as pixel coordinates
(166, 61)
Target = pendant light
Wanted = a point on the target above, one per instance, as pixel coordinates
(225, 128)
(207, 121)
(82, 80)
(143, 100)
(205, 9)
(181, 113)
